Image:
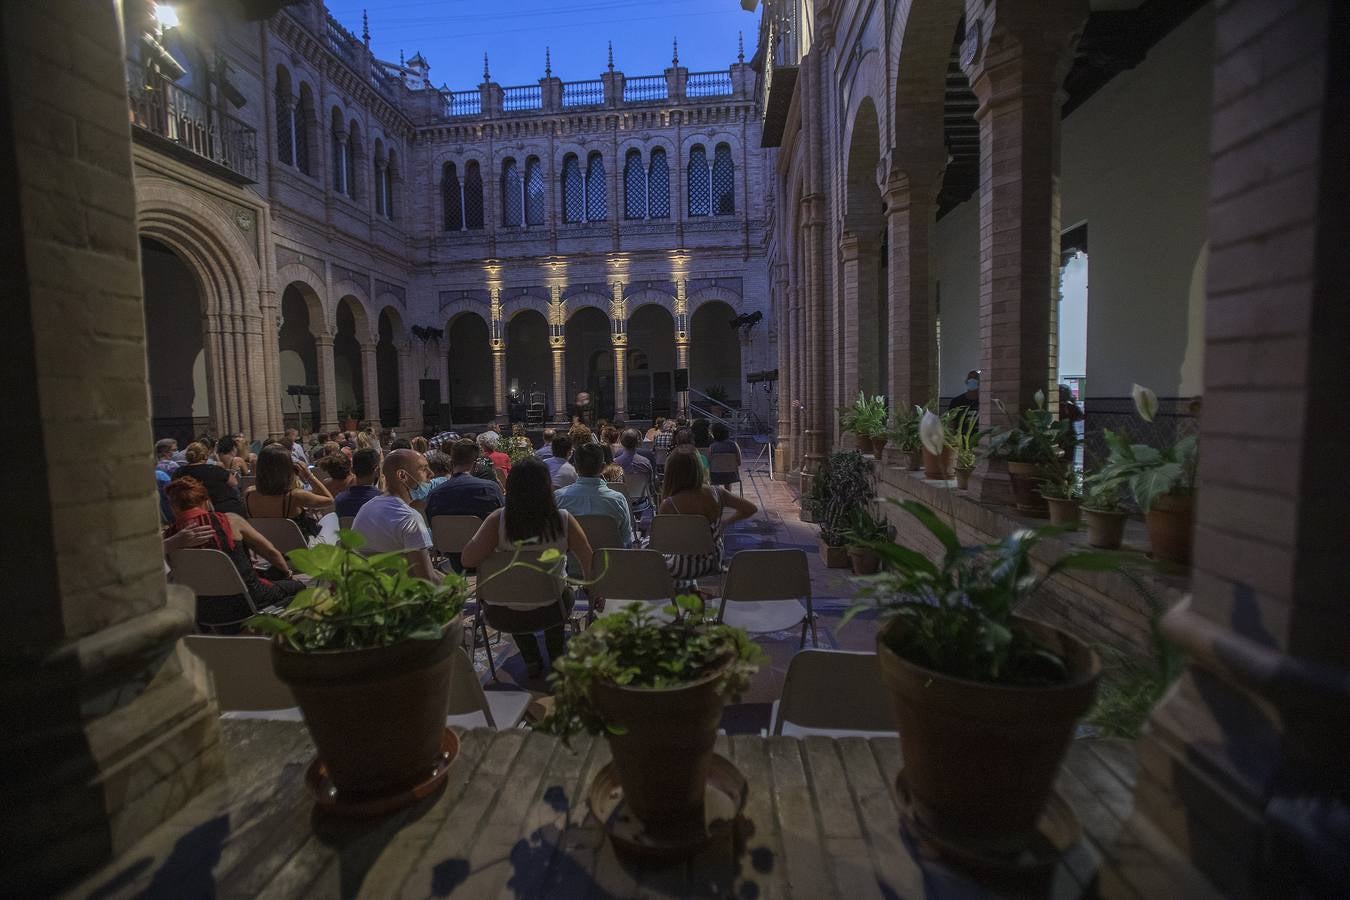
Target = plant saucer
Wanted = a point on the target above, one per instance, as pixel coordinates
(328, 801)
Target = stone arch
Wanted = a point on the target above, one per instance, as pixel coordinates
(709, 141)
(921, 46)
(388, 303)
(518, 304)
(862, 206)
(648, 297)
(469, 372)
(715, 293)
(351, 290)
(311, 287)
(587, 299)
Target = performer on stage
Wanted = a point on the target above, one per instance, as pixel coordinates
(584, 411)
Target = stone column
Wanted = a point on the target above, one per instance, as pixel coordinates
(370, 382)
(443, 375)
(497, 340)
(557, 341)
(1017, 77)
(681, 310)
(409, 416)
(783, 325)
(328, 412)
(859, 255)
(911, 209)
(271, 352)
(618, 316)
(819, 415)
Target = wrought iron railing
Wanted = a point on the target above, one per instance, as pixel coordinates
(645, 87)
(462, 103)
(162, 108)
(583, 93)
(708, 84)
(518, 99)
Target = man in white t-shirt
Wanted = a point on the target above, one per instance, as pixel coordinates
(390, 525)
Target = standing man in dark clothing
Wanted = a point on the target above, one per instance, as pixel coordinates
(970, 400)
(463, 494)
(366, 471)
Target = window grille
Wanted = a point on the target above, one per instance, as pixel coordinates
(512, 213)
(634, 186)
(353, 154)
(534, 192)
(473, 195)
(574, 192)
(285, 118)
(390, 173)
(339, 164)
(723, 182)
(377, 180)
(658, 186)
(452, 198)
(299, 122)
(597, 207)
(698, 181)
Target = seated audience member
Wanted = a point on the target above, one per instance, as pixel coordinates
(365, 472)
(665, 438)
(278, 493)
(295, 446)
(613, 475)
(219, 481)
(531, 515)
(684, 439)
(722, 443)
(420, 444)
(484, 469)
(546, 450)
(519, 440)
(462, 494)
(162, 480)
(490, 444)
(439, 465)
(232, 535)
(165, 448)
(686, 491)
(366, 441)
(654, 430)
(390, 525)
(590, 495)
(334, 472)
(244, 457)
(579, 434)
(400, 444)
(635, 466)
(610, 438)
(702, 434)
(561, 472)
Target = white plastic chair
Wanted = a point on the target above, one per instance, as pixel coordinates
(762, 592)
(449, 534)
(632, 577)
(835, 693)
(473, 707)
(499, 581)
(601, 531)
(209, 573)
(726, 464)
(684, 535)
(239, 672)
(281, 533)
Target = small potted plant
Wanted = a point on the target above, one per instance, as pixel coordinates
(846, 485)
(866, 418)
(963, 436)
(1102, 511)
(986, 701)
(865, 529)
(655, 689)
(1062, 488)
(1035, 440)
(366, 651)
(904, 434)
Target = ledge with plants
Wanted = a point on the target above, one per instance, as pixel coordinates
(846, 482)
(904, 434)
(866, 418)
(1035, 440)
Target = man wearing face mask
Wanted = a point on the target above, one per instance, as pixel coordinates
(970, 400)
(390, 525)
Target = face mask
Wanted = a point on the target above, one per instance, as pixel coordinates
(972, 384)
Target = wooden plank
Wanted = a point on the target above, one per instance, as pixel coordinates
(1102, 780)
(570, 873)
(711, 872)
(897, 872)
(845, 845)
(807, 868)
(1119, 757)
(610, 877)
(763, 871)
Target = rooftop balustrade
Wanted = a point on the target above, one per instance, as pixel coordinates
(181, 122)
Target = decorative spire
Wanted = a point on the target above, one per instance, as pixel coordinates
(675, 59)
(548, 64)
(486, 77)
(365, 27)
(740, 46)
(611, 56)
(400, 58)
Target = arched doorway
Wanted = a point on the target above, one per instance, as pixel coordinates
(386, 368)
(715, 354)
(651, 362)
(867, 356)
(179, 388)
(529, 363)
(299, 359)
(347, 371)
(590, 359)
(470, 370)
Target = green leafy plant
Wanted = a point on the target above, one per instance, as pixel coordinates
(1102, 493)
(1061, 482)
(963, 434)
(867, 416)
(865, 527)
(1151, 472)
(904, 431)
(846, 483)
(1130, 685)
(957, 612)
(361, 601)
(632, 648)
(517, 450)
(1035, 437)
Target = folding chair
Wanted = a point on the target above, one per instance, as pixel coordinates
(637, 487)
(600, 530)
(240, 677)
(246, 482)
(346, 521)
(761, 593)
(633, 577)
(726, 464)
(449, 534)
(280, 533)
(835, 693)
(499, 581)
(210, 573)
(682, 535)
(763, 461)
(473, 707)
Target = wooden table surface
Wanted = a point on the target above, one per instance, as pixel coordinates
(821, 821)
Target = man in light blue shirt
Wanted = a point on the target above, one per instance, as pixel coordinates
(590, 496)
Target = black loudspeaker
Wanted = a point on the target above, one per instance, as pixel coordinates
(430, 390)
(681, 380)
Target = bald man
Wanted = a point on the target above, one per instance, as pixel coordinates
(390, 525)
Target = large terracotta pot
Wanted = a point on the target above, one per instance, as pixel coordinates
(963, 479)
(1063, 512)
(808, 512)
(376, 715)
(980, 759)
(834, 557)
(1105, 530)
(939, 468)
(863, 441)
(1026, 487)
(915, 460)
(865, 561)
(663, 752)
(1169, 528)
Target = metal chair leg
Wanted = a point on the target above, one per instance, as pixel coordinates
(492, 664)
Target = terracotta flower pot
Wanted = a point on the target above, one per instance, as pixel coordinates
(662, 756)
(834, 557)
(1063, 512)
(915, 460)
(376, 715)
(1026, 488)
(1169, 528)
(864, 442)
(1105, 530)
(939, 468)
(963, 479)
(864, 560)
(980, 759)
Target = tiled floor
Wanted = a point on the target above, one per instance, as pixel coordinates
(776, 526)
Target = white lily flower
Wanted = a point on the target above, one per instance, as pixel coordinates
(1145, 402)
(930, 433)
(1039, 397)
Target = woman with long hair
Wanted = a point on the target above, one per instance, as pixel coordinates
(686, 491)
(278, 491)
(531, 521)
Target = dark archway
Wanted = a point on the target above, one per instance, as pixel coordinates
(386, 369)
(590, 359)
(866, 362)
(470, 370)
(529, 362)
(299, 358)
(715, 353)
(179, 387)
(347, 373)
(651, 362)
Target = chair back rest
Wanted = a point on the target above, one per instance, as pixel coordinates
(660, 453)
(502, 584)
(240, 670)
(723, 463)
(636, 484)
(685, 535)
(632, 575)
(246, 482)
(346, 521)
(210, 573)
(450, 533)
(280, 533)
(835, 689)
(600, 530)
(466, 691)
(767, 575)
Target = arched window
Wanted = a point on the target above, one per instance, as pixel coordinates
(658, 186)
(723, 182)
(574, 190)
(300, 124)
(473, 195)
(390, 179)
(534, 192)
(452, 198)
(597, 208)
(634, 186)
(377, 176)
(353, 154)
(511, 198)
(698, 181)
(285, 118)
(340, 171)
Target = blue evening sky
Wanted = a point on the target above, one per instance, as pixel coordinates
(453, 34)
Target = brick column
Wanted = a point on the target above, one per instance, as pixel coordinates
(681, 310)
(557, 341)
(328, 412)
(618, 317)
(911, 209)
(443, 375)
(1243, 763)
(497, 341)
(783, 324)
(409, 416)
(859, 256)
(271, 353)
(1017, 78)
(819, 415)
(370, 382)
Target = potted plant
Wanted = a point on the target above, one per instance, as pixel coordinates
(1062, 488)
(1102, 511)
(963, 435)
(366, 651)
(866, 418)
(655, 689)
(1162, 481)
(904, 434)
(846, 485)
(1035, 440)
(938, 442)
(864, 530)
(986, 701)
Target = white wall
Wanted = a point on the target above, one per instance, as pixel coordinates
(956, 267)
(1073, 312)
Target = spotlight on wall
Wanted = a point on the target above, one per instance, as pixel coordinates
(166, 16)
(747, 320)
